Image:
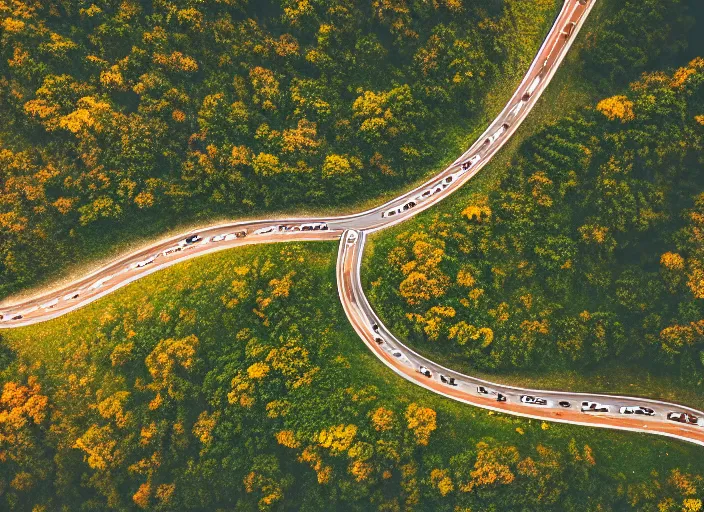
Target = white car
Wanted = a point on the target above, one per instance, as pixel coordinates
(594, 407)
(50, 304)
(498, 133)
(533, 400)
(266, 230)
(469, 163)
(424, 371)
(351, 237)
(146, 262)
(515, 110)
(218, 238)
(71, 296)
(637, 410)
(100, 283)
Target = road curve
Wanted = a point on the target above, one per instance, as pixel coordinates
(407, 363)
(128, 268)
(166, 252)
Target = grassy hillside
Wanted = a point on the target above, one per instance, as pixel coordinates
(234, 382)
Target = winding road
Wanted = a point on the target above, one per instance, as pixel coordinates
(646, 415)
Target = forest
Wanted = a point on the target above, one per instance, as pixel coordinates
(233, 382)
(591, 249)
(117, 115)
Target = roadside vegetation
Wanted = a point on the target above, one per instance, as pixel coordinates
(234, 382)
(582, 256)
(121, 117)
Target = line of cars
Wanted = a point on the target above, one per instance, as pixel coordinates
(434, 189)
(471, 161)
(587, 406)
(185, 244)
(288, 228)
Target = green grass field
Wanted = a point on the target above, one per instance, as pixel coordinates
(199, 283)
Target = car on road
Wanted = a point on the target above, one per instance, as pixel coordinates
(532, 87)
(171, 250)
(500, 398)
(533, 400)
(594, 407)
(564, 403)
(379, 340)
(424, 371)
(218, 238)
(236, 234)
(516, 109)
(637, 410)
(314, 226)
(469, 163)
(396, 353)
(482, 390)
(390, 213)
(50, 304)
(17, 317)
(146, 262)
(686, 418)
(399, 209)
(375, 327)
(266, 230)
(568, 29)
(352, 238)
(450, 381)
(71, 296)
(189, 240)
(498, 133)
(100, 282)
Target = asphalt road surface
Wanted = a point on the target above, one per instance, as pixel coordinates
(558, 406)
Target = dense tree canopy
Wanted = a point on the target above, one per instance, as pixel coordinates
(116, 111)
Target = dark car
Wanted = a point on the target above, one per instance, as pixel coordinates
(683, 417)
(565, 403)
(191, 239)
(450, 381)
